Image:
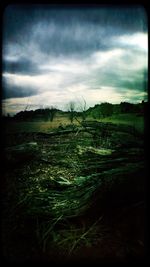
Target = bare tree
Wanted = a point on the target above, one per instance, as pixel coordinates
(27, 107)
(50, 113)
(53, 112)
(83, 108)
(71, 110)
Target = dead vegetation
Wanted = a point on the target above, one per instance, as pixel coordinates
(57, 180)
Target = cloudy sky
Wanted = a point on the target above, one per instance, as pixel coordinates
(53, 55)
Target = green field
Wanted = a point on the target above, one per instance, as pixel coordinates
(47, 126)
(128, 119)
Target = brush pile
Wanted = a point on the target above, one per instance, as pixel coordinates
(94, 164)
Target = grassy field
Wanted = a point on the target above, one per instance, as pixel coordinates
(47, 126)
(128, 119)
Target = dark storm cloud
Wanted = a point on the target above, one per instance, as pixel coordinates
(70, 30)
(16, 91)
(22, 66)
(128, 19)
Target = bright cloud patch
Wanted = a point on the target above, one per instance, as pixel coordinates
(138, 40)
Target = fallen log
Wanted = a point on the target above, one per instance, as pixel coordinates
(58, 132)
(108, 126)
(98, 151)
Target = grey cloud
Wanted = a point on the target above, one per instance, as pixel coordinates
(72, 39)
(21, 66)
(17, 92)
(65, 31)
(14, 91)
(123, 80)
(129, 18)
(70, 30)
(37, 33)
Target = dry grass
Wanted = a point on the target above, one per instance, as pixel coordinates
(36, 126)
(70, 238)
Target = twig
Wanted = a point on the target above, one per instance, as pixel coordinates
(84, 234)
(45, 236)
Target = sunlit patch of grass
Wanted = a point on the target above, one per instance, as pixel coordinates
(128, 119)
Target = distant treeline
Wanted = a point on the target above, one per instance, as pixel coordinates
(46, 114)
(108, 109)
(98, 111)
